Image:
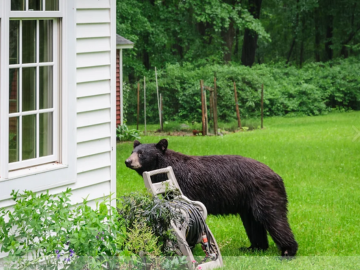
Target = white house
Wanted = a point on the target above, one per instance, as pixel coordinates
(58, 97)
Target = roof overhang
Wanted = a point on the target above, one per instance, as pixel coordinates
(124, 46)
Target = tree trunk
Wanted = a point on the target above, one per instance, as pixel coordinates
(291, 50)
(295, 33)
(250, 36)
(236, 49)
(317, 35)
(329, 37)
(228, 37)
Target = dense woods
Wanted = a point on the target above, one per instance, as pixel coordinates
(276, 34)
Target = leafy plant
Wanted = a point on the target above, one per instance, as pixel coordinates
(123, 133)
(153, 212)
(315, 89)
(47, 232)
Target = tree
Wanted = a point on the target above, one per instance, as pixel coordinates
(250, 36)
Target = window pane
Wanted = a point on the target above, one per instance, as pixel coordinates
(46, 41)
(13, 139)
(51, 5)
(29, 89)
(14, 90)
(28, 41)
(18, 5)
(46, 134)
(14, 42)
(35, 5)
(28, 137)
(46, 87)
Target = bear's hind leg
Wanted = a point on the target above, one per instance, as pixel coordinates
(255, 231)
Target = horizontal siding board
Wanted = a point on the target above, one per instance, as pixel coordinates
(89, 74)
(93, 103)
(93, 88)
(93, 59)
(93, 147)
(93, 117)
(93, 30)
(85, 45)
(93, 16)
(93, 162)
(93, 132)
(86, 4)
(93, 192)
(86, 179)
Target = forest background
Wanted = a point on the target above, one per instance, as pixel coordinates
(305, 52)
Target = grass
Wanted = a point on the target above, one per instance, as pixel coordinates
(319, 160)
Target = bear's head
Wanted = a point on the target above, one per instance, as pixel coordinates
(144, 157)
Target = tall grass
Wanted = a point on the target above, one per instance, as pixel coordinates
(319, 160)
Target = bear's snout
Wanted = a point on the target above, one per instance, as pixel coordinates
(128, 162)
(133, 161)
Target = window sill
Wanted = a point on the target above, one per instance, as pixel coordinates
(34, 170)
(38, 178)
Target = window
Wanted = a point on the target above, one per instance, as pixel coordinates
(37, 94)
(33, 95)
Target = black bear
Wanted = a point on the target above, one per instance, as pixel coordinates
(227, 185)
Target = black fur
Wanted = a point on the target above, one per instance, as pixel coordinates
(228, 185)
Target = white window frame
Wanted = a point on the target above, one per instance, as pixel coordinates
(63, 171)
(55, 93)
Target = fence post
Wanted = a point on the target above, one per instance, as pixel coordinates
(202, 106)
(138, 105)
(206, 114)
(262, 106)
(161, 113)
(215, 108)
(157, 92)
(237, 106)
(145, 105)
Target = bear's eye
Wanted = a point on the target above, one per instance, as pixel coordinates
(139, 154)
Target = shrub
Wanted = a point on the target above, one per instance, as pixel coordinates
(315, 89)
(123, 133)
(46, 232)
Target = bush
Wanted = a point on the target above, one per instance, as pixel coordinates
(47, 232)
(315, 89)
(123, 133)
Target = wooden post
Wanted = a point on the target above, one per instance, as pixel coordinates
(161, 113)
(138, 105)
(206, 114)
(145, 105)
(237, 106)
(262, 106)
(215, 108)
(211, 117)
(202, 106)
(158, 100)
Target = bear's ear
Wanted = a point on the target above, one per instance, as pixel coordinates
(136, 143)
(162, 145)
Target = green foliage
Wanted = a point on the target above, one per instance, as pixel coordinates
(123, 133)
(315, 89)
(51, 230)
(176, 31)
(47, 232)
(147, 211)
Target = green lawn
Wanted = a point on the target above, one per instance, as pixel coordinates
(319, 160)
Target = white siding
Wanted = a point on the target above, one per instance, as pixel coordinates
(93, 77)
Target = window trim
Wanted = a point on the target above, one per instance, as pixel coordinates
(56, 92)
(42, 177)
